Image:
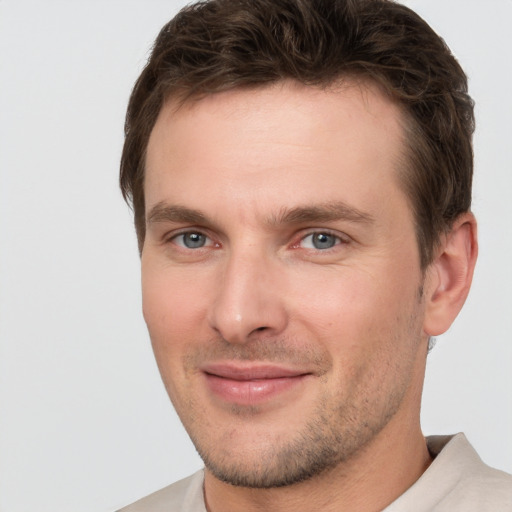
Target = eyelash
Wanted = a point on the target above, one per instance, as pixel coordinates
(176, 236)
(338, 240)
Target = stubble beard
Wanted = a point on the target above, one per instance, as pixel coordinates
(339, 429)
(319, 447)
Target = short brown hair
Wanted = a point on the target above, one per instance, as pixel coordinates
(218, 45)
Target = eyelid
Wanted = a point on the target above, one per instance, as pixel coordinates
(342, 238)
(172, 236)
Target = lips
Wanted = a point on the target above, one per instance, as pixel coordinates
(251, 384)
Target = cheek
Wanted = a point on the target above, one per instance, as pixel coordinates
(172, 311)
(169, 294)
(369, 329)
(344, 299)
(173, 308)
(356, 314)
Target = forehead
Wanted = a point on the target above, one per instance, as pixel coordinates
(286, 142)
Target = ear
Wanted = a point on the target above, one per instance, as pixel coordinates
(449, 276)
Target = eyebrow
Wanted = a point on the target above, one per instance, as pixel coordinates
(163, 212)
(325, 212)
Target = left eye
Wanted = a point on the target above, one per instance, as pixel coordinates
(320, 241)
(191, 240)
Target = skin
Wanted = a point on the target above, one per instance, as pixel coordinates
(242, 189)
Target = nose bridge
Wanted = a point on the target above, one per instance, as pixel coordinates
(247, 301)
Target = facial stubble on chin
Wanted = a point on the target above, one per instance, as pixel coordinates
(319, 447)
(330, 437)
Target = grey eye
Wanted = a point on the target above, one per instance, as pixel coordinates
(323, 240)
(193, 240)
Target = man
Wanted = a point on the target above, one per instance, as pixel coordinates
(300, 173)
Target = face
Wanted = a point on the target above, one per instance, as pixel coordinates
(281, 278)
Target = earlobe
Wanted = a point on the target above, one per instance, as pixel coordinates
(449, 276)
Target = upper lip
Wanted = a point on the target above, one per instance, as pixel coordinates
(251, 371)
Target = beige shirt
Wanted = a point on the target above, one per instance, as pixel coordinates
(456, 481)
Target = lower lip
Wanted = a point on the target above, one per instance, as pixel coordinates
(251, 392)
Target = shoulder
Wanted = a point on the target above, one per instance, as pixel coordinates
(457, 480)
(472, 480)
(476, 486)
(185, 495)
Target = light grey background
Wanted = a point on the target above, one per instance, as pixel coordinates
(84, 422)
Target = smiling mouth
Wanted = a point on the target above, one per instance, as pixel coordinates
(251, 384)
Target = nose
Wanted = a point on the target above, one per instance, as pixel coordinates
(250, 298)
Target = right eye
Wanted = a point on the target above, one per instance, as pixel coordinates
(192, 240)
(320, 241)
